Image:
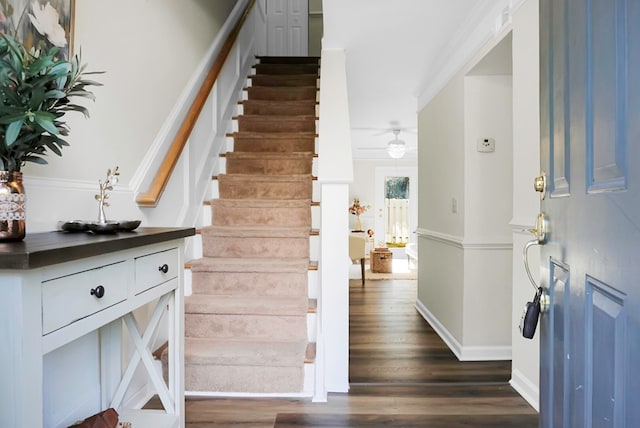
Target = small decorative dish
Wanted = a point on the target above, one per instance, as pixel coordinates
(129, 225)
(73, 226)
(106, 227)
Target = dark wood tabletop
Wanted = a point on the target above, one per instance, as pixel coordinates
(49, 248)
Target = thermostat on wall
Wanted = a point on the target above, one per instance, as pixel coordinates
(486, 145)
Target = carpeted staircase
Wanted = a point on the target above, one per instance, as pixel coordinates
(246, 321)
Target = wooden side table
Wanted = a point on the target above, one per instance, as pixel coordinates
(381, 260)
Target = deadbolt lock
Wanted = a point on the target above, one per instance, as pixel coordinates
(540, 184)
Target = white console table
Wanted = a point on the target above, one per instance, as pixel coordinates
(58, 287)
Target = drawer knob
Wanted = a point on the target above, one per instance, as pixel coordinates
(164, 268)
(98, 291)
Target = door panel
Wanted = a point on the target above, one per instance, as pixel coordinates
(590, 147)
(607, 116)
(287, 27)
(606, 324)
(276, 27)
(559, 109)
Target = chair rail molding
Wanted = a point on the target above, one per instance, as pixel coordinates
(461, 243)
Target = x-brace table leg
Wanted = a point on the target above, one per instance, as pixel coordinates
(144, 353)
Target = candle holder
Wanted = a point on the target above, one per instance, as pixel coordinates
(109, 182)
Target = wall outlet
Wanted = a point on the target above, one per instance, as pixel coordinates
(486, 145)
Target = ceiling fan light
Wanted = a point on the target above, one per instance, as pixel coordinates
(396, 148)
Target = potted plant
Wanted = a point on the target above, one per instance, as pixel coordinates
(37, 88)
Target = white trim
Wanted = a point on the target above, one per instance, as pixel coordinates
(455, 241)
(459, 242)
(486, 353)
(35, 182)
(527, 389)
(522, 224)
(247, 394)
(480, 27)
(444, 334)
(463, 353)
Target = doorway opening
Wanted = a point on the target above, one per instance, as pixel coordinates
(396, 211)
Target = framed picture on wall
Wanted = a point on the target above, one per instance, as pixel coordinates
(39, 23)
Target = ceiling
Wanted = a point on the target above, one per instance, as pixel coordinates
(398, 54)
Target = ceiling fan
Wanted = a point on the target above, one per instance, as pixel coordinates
(384, 131)
(395, 148)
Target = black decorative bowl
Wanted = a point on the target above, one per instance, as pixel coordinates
(107, 227)
(129, 225)
(74, 226)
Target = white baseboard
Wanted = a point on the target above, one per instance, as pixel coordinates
(247, 394)
(527, 389)
(463, 353)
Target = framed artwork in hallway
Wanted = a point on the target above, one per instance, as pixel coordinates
(39, 23)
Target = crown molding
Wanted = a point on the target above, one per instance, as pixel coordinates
(477, 30)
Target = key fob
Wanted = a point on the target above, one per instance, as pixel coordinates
(530, 316)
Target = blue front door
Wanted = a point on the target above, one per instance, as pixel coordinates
(590, 149)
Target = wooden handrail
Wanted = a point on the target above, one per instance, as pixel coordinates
(152, 196)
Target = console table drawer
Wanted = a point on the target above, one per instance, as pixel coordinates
(155, 269)
(73, 297)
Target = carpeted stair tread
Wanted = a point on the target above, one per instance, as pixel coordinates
(260, 212)
(299, 156)
(280, 108)
(262, 203)
(282, 93)
(250, 276)
(267, 179)
(244, 265)
(269, 143)
(257, 231)
(244, 379)
(259, 123)
(269, 163)
(272, 186)
(310, 79)
(243, 305)
(273, 135)
(266, 68)
(231, 352)
(284, 59)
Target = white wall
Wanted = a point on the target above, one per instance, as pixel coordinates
(441, 161)
(148, 57)
(488, 184)
(464, 282)
(526, 203)
(315, 27)
(149, 60)
(441, 178)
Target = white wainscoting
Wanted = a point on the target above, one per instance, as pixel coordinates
(464, 292)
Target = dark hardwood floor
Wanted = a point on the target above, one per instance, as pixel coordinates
(402, 375)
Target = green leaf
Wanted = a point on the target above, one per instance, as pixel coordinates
(37, 97)
(35, 159)
(12, 132)
(54, 148)
(8, 119)
(45, 120)
(84, 94)
(90, 83)
(81, 109)
(55, 94)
